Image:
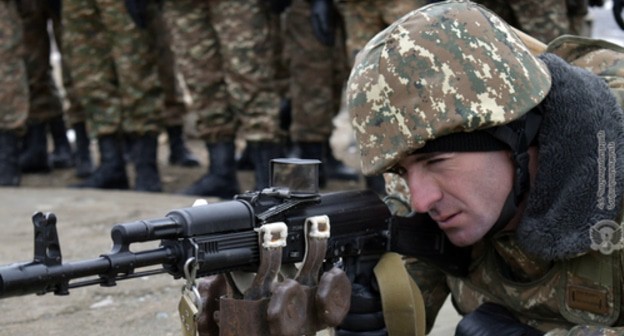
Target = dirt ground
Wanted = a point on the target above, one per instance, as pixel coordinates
(142, 306)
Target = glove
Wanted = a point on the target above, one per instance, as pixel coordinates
(491, 319)
(137, 9)
(596, 3)
(365, 317)
(279, 6)
(324, 21)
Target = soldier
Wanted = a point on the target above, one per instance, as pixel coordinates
(318, 70)
(46, 109)
(225, 53)
(175, 107)
(363, 20)
(514, 159)
(114, 72)
(13, 93)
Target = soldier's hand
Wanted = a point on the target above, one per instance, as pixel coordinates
(491, 319)
(324, 21)
(137, 9)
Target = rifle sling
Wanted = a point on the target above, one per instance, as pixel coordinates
(404, 314)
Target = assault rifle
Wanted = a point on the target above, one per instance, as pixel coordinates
(333, 236)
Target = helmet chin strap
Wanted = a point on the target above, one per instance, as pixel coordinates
(518, 135)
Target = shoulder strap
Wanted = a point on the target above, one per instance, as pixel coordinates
(401, 299)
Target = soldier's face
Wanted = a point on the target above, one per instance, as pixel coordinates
(463, 192)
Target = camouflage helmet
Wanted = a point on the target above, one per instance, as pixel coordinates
(445, 68)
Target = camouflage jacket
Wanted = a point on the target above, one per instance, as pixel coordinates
(559, 285)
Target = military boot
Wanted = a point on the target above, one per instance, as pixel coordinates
(221, 180)
(179, 154)
(111, 174)
(84, 164)
(34, 155)
(61, 156)
(9, 156)
(144, 152)
(261, 155)
(315, 150)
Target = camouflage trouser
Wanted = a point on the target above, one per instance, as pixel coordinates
(577, 11)
(282, 72)
(542, 19)
(45, 100)
(14, 92)
(175, 108)
(113, 67)
(317, 75)
(365, 18)
(225, 52)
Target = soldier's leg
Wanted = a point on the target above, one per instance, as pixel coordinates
(244, 33)
(175, 107)
(87, 50)
(198, 57)
(542, 19)
(392, 10)
(135, 61)
(74, 112)
(45, 104)
(14, 94)
(311, 86)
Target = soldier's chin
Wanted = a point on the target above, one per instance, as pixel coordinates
(459, 237)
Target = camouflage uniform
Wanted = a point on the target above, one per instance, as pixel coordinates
(318, 73)
(442, 70)
(46, 108)
(542, 19)
(45, 101)
(226, 51)
(175, 107)
(14, 94)
(223, 49)
(112, 66)
(365, 18)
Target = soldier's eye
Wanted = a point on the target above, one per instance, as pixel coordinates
(399, 170)
(435, 160)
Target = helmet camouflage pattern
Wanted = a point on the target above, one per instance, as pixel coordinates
(444, 68)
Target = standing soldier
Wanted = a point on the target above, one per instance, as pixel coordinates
(46, 109)
(363, 20)
(175, 107)
(113, 67)
(318, 69)
(13, 93)
(225, 52)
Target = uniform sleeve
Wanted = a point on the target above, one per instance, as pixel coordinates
(432, 284)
